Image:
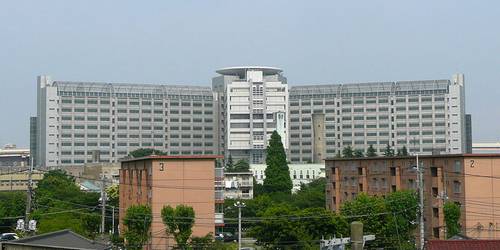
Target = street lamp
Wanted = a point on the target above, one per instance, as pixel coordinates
(239, 205)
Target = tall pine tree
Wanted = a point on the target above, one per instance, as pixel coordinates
(371, 151)
(277, 173)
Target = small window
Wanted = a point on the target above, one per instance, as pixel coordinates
(435, 192)
(458, 166)
(434, 172)
(457, 187)
(435, 212)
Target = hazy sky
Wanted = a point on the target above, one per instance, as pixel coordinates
(185, 41)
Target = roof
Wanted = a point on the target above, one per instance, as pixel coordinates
(172, 157)
(64, 239)
(463, 244)
(412, 156)
(89, 186)
(240, 70)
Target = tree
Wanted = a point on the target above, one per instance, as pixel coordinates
(277, 172)
(347, 152)
(91, 224)
(12, 204)
(207, 243)
(404, 151)
(142, 152)
(241, 166)
(311, 195)
(258, 188)
(60, 204)
(451, 212)
(371, 151)
(229, 164)
(388, 151)
(113, 194)
(137, 222)
(179, 222)
(358, 153)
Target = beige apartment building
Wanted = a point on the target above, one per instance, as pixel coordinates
(472, 180)
(173, 180)
(18, 181)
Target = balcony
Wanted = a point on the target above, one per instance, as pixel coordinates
(219, 218)
(246, 183)
(219, 173)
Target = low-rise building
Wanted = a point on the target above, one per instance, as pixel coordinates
(471, 180)
(16, 181)
(11, 156)
(299, 173)
(486, 147)
(173, 180)
(238, 185)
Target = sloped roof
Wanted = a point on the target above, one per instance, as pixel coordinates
(463, 244)
(64, 239)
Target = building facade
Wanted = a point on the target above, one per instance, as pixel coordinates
(76, 118)
(486, 147)
(172, 180)
(424, 116)
(238, 114)
(253, 102)
(238, 185)
(462, 178)
(299, 173)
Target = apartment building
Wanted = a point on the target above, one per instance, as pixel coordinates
(173, 180)
(76, 118)
(238, 185)
(253, 102)
(16, 180)
(468, 179)
(425, 116)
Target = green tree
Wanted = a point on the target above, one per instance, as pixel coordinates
(371, 152)
(277, 231)
(277, 172)
(142, 152)
(258, 188)
(91, 224)
(452, 215)
(311, 195)
(388, 151)
(113, 194)
(137, 223)
(402, 207)
(179, 222)
(207, 243)
(229, 164)
(12, 204)
(404, 151)
(358, 153)
(347, 152)
(241, 166)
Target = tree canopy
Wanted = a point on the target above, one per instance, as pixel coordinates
(371, 152)
(347, 152)
(179, 222)
(137, 222)
(277, 171)
(452, 215)
(142, 152)
(358, 153)
(388, 151)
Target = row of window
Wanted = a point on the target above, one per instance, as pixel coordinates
(368, 101)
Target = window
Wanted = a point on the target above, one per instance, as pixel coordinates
(435, 212)
(458, 166)
(434, 172)
(435, 192)
(457, 187)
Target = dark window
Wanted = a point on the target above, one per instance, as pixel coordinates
(360, 187)
(435, 232)
(435, 192)
(360, 171)
(434, 172)
(393, 171)
(435, 212)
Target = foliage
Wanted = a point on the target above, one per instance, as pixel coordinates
(179, 222)
(347, 152)
(358, 153)
(137, 222)
(277, 172)
(142, 152)
(60, 204)
(229, 164)
(242, 166)
(404, 151)
(258, 188)
(452, 215)
(338, 155)
(91, 224)
(371, 152)
(113, 194)
(390, 218)
(12, 204)
(311, 195)
(207, 243)
(388, 151)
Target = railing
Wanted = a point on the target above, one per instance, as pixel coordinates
(246, 183)
(245, 196)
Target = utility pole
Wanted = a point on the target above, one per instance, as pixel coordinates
(113, 218)
(357, 240)
(28, 196)
(420, 176)
(239, 205)
(103, 206)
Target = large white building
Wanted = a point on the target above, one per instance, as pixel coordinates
(253, 102)
(239, 113)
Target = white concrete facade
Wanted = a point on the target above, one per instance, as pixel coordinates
(299, 173)
(254, 103)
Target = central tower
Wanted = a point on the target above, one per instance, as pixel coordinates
(253, 102)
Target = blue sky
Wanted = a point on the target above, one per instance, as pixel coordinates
(185, 41)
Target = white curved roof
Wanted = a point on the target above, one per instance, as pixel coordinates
(240, 70)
